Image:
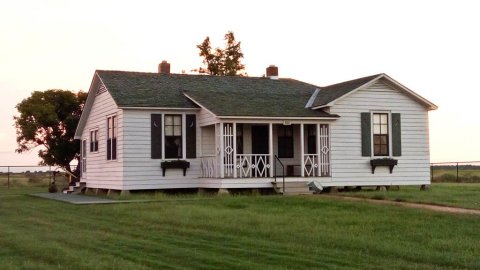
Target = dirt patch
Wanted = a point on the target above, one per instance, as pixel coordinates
(432, 207)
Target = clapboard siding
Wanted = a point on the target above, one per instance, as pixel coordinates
(103, 173)
(205, 118)
(208, 140)
(348, 165)
(140, 171)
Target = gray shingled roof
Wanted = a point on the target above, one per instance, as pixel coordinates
(247, 96)
(223, 95)
(140, 89)
(330, 93)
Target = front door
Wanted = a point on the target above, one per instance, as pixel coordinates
(259, 139)
(260, 149)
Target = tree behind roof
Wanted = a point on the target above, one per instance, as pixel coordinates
(222, 62)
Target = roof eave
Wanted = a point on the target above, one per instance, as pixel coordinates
(372, 81)
(428, 105)
(198, 104)
(86, 108)
(158, 108)
(333, 117)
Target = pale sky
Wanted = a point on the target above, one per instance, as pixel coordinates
(432, 47)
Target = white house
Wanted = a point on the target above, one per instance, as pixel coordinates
(166, 131)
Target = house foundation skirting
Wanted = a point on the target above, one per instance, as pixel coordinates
(250, 183)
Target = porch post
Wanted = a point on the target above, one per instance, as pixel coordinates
(200, 138)
(222, 152)
(234, 150)
(318, 151)
(184, 136)
(163, 135)
(270, 147)
(302, 151)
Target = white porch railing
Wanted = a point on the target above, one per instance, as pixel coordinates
(247, 166)
(252, 165)
(316, 165)
(258, 166)
(208, 166)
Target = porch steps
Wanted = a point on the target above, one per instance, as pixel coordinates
(292, 188)
(77, 188)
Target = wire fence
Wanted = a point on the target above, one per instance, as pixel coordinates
(32, 176)
(458, 172)
(42, 176)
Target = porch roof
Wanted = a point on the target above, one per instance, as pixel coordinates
(260, 97)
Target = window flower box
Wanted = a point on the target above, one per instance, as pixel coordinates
(175, 164)
(389, 162)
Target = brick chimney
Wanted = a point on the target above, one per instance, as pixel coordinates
(272, 72)
(164, 67)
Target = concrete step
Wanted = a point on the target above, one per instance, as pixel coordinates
(290, 184)
(80, 184)
(292, 188)
(75, 189)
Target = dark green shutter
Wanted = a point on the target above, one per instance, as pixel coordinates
(109, 149)
(366, 134)
(114, 148)
(396, 135)
(156, 134)
(191, 136)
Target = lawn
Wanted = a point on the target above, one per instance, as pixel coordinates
(466, 195)
(232, 232)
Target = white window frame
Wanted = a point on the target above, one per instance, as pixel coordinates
(389, 113)
(83, 149)
(96, 137)
(183, 136)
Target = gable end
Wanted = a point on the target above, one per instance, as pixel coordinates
(97, 87)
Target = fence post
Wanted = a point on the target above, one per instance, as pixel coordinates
(457, 172)
(431, 172)
(8, 177)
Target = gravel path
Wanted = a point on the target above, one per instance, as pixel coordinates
(73, 198)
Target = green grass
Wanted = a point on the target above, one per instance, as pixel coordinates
(232, 232)
(466, 195)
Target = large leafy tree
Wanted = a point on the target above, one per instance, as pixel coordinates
(222, 62)
(49, 119)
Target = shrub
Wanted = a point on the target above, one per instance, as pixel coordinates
(52, 188)
(447, 177)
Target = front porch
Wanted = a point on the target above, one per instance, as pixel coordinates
(262, 152)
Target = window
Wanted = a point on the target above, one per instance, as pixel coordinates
(285, 141)
(311, 139)
(112, 138)
(173, 136)
(380, 134)
(94, 140)
(84, 156)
